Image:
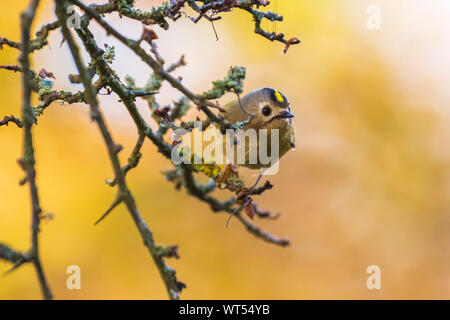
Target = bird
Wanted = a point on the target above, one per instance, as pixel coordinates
(248, 143)
(264, 108)
(258, 112)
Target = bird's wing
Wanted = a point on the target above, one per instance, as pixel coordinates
(292, 137)
(233, 112)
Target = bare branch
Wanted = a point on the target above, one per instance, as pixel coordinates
(173, 286)
(27, 161)
(8, 119)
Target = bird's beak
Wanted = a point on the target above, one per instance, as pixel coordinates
(282, 115)
(285, 114)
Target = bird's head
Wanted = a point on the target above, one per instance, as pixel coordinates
(269, 107)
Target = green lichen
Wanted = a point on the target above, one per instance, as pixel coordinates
(157, 14)
(211, 170)
(233, 82)
(42, 86)
(180, 107)
(130, 82)
(110, 54)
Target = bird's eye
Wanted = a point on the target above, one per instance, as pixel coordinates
(266, 111)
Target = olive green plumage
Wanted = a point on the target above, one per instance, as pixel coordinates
(270, 109)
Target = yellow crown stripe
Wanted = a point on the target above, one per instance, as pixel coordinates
(278, 96)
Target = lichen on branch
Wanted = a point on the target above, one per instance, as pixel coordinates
(233, 82)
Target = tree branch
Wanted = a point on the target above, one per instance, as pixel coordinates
(168, 275)
(27, 161)
(8, 119)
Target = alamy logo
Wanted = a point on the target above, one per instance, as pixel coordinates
(74, 280)
(374, 17)
(74, 19)
(374, 280)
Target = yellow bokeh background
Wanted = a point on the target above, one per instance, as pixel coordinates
(368, 183)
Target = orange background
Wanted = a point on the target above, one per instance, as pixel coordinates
(367, 184)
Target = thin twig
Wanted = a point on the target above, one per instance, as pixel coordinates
(8, 119)
(27, 161)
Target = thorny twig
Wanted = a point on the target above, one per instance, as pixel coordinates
(124, 195)
(27, 162)
(182, 175)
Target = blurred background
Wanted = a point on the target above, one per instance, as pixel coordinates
(368, 184)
